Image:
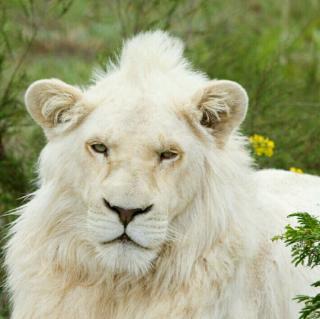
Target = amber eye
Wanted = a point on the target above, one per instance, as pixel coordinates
(168, 155)
(99, 148)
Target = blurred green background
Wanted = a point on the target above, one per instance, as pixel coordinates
(271, 47)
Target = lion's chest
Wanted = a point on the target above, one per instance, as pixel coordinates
(137, 304)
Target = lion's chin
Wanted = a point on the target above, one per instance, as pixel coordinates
(127, 257)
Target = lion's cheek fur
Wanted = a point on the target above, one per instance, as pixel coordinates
(51, 289)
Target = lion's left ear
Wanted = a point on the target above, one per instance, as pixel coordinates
(223, 105)
(55, 105)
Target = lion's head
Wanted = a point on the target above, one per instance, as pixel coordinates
(127, 157)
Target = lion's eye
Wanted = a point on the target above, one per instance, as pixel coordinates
(168, 155)
(99, 148)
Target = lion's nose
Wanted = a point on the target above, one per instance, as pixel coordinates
(126, 215)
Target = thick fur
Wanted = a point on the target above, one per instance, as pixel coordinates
(204, 250)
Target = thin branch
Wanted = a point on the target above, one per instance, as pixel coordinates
(19, 64)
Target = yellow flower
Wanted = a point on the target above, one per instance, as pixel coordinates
(262, 146)
(296, 170)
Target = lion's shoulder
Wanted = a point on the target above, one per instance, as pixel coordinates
(299, 192)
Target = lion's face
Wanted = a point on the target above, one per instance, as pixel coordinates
(137, 164)
(133, 155)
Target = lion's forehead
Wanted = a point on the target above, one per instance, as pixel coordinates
(140, 119)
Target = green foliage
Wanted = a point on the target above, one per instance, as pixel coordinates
(304, 241)
(16, 155)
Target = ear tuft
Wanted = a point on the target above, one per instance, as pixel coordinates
(55, 105)
(214, 107)
(223, 105)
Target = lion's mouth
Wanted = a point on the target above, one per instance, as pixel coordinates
(125, 240)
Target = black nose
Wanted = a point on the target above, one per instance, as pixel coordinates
(126, 215)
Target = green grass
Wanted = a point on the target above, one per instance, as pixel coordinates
(271, 47)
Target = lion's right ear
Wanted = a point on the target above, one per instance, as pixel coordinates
(55, 105)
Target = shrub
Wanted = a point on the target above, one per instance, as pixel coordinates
(304, 241)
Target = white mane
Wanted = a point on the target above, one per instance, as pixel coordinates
(152, 57)
(153, 51)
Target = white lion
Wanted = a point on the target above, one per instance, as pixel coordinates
(148, 206)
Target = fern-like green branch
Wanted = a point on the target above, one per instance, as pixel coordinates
(304, 240)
